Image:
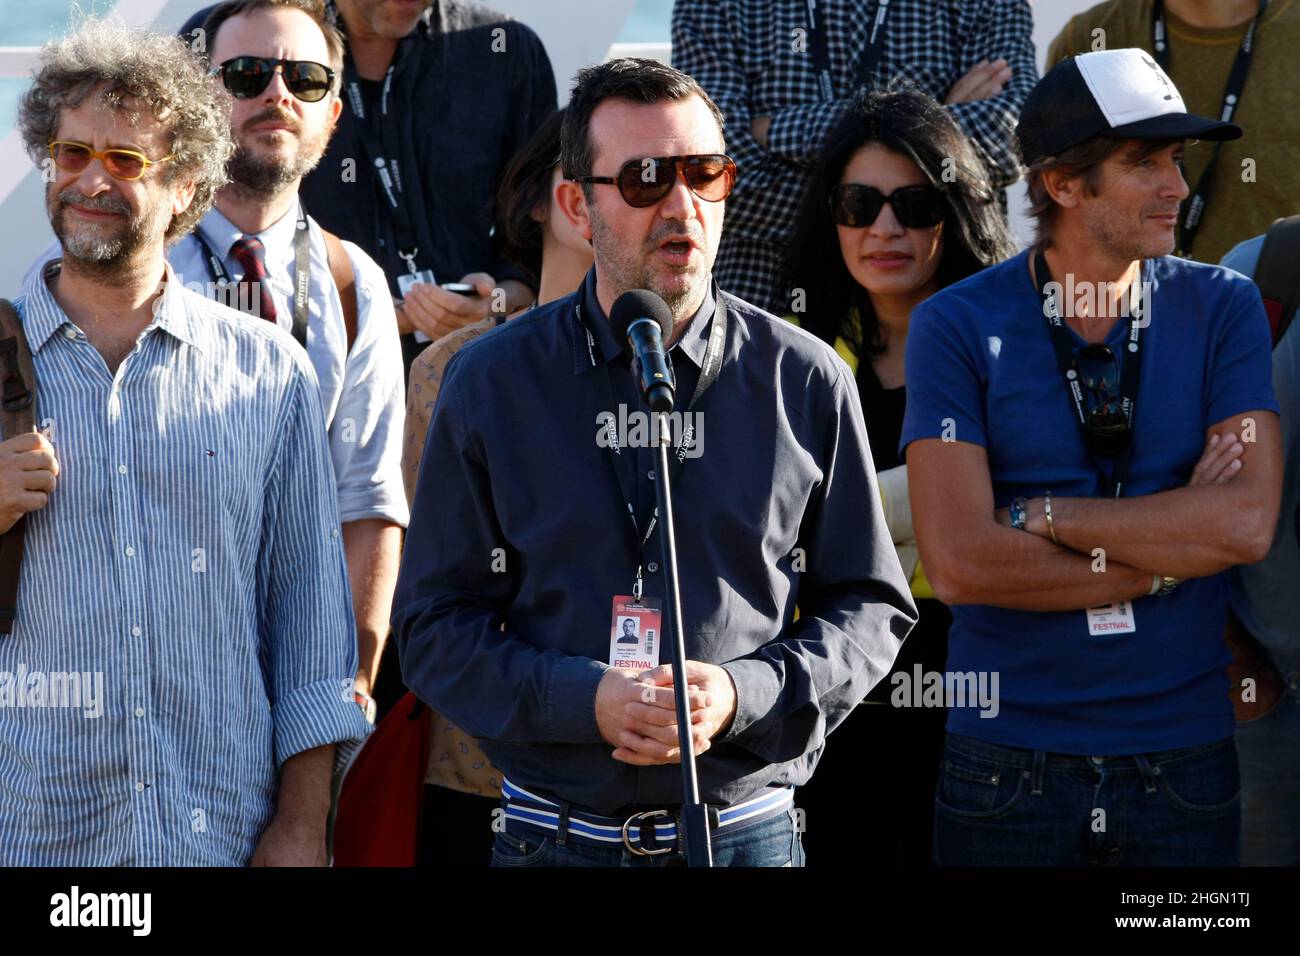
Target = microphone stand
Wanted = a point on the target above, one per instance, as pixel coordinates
(695, 816)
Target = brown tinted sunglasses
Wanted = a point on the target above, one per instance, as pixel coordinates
(644, 182)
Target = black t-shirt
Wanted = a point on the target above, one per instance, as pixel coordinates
(883, 410)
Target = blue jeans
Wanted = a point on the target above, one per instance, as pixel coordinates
(772, 842)
(1005, 806)
(1270, 785)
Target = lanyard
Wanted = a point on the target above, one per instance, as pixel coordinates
(709, 369)
(817, 38)
(1129, 380)
(302, 273)
(1231, 100)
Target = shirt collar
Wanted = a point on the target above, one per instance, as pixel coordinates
(44, 316)
(692, 344)
(220, 233)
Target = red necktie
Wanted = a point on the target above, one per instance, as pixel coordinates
(248, 253)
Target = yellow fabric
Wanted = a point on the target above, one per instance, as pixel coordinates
(920, 584)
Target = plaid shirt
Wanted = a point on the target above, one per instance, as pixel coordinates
(743, 53)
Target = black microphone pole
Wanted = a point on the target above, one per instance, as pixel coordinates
(695, 815)
(644, 320)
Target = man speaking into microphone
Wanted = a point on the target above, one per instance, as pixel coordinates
(535, 535)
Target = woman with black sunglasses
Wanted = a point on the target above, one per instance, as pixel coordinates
(898, 207)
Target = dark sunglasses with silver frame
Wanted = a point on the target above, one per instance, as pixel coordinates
(248, 76)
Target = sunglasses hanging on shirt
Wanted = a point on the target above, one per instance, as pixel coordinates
(1106, 428)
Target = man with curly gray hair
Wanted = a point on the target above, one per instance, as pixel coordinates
(177, 686)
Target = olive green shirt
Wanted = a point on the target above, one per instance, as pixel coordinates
(1257, 178)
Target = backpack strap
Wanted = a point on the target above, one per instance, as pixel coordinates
(17, 415)
(1278, 274)
(345, 280)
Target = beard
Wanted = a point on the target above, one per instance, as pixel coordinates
(103, 251)
(1117, 237)
(631, 269)
(267, 177)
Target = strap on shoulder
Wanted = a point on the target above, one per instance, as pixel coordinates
(345, 280)
(1278, 274)
(17, 415)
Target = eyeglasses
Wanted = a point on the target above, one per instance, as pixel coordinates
(643, 182)
(915, 207)
(247, 76)
(124, 164)
(1106, 428)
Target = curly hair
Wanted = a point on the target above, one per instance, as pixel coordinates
(129, 70)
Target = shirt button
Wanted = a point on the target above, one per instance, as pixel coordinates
(139, 787)
(139, 711)
(650, 474)
(652, 567)
(135, 631)
(70, 333)
(1098, 760)
(130, 551)
(121, 469)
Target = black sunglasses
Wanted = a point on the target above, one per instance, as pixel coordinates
(915, 207)
(247, 76)
(643, 182)
(1106, 428)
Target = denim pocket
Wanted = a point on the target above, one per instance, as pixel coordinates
(1205, 782)
(969, 787)
(511, 850)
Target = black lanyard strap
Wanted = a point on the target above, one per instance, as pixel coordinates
(302, 272)
(709, 369)
(819, 43)
(1200, 197)
(1130, 376)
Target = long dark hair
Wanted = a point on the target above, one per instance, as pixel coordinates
(525, 185)
(914, 125)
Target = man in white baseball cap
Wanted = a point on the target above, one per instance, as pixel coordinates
(1091, 438)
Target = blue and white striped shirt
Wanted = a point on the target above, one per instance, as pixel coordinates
(189, 570)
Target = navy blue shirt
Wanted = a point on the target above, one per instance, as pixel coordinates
(519, 541)
(981, 369)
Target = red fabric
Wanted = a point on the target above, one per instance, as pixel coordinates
(1273, 308)
(378, 817)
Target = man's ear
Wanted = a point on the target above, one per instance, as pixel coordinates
(573, 203)
(1065, 188)
(182, 198)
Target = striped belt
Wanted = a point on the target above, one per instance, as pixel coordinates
(648, 833)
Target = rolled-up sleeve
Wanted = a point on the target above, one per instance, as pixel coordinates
(366, 434)
(855, 608)
(458, 577)
(309, 643)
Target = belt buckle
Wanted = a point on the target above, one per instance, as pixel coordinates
(640, 818)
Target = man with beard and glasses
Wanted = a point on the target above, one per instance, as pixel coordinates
(281, 62)
(1091, 439)
(182, 545)
(438, 96)
(513, 591)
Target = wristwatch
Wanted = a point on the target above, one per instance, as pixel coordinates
(1018, 513)
(1167, 585)
(366, 703)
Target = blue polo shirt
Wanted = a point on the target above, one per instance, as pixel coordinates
(980, 368)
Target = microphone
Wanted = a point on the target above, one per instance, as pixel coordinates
(643, 320)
